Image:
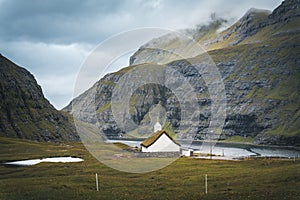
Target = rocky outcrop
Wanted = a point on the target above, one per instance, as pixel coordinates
(24, 111)
(248, 25)
(288, 10)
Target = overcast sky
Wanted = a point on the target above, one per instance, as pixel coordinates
(52, 38)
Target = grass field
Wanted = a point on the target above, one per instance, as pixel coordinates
(183, 179)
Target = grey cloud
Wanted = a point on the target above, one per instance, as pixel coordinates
(53, 21)
(51, 38)
(58, 21)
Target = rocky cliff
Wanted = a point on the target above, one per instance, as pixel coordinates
(258, 59)
(24, 111)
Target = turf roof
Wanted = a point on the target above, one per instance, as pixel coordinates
(152, 139)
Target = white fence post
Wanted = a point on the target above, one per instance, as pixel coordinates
(97, 183)
(205, 183)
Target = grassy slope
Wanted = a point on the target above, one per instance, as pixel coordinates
(240, 139)
(184, 179)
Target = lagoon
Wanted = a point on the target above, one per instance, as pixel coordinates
(236, 150)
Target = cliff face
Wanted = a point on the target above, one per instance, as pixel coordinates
(24, 111)
(258, 58)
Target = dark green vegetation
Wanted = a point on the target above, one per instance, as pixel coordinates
(184, 179)
(24, 111)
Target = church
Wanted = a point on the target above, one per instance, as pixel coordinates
(160, 141)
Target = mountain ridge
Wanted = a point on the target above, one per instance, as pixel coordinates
(25, 112)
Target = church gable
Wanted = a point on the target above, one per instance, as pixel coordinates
(160, 141)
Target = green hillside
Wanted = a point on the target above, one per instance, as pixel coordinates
(24, 111)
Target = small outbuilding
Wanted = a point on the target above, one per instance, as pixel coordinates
(160, 141)
(186, 152)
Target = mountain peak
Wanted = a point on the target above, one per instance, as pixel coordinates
(251, 18)
(257, 11)
(255, 20)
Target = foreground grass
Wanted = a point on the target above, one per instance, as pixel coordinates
(183, 179)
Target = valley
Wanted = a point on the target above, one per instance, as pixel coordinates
(246, 179)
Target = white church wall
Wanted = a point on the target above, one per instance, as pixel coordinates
(163, 144)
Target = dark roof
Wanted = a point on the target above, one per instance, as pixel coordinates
(152, 139)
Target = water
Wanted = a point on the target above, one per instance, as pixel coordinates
(37, 161)
(267, 152)
(234, 150)
(131, 143)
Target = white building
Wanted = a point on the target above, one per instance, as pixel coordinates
(160, 141)
(186, 152)
(157, 127)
